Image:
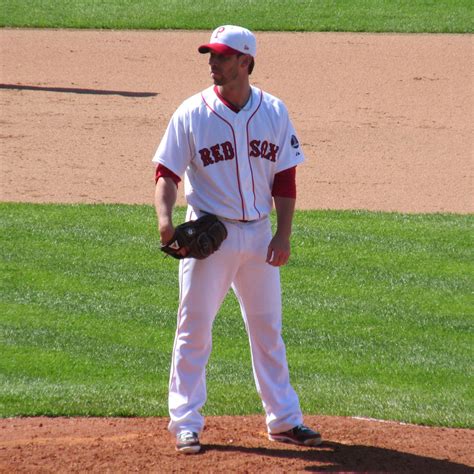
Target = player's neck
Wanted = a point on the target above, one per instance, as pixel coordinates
(238, 95)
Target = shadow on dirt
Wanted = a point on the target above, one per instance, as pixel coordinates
(340, 457)
(76, 90)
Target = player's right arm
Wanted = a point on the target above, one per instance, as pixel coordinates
(165, 198)
(172, 157)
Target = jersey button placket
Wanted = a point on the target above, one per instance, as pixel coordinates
(244, 171)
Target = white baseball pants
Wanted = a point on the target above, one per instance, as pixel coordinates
(240, 264)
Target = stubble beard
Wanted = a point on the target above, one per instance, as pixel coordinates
(222, 81)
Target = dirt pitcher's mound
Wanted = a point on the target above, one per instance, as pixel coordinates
(385, 120)
(230, 444)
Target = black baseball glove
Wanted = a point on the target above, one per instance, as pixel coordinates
(200, 238)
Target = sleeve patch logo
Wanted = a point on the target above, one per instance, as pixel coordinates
(294, 142)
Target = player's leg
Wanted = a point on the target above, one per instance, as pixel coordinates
(203, 286)
(257, 286)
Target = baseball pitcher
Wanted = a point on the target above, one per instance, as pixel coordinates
(237, 151)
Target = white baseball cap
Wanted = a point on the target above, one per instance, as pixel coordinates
(230, 39)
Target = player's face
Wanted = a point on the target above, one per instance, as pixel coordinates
(223, 69)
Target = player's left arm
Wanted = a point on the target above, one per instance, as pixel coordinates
(284, 192)
(279, 249)
(284, 196)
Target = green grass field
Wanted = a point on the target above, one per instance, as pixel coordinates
(444, 16)
(378, 316)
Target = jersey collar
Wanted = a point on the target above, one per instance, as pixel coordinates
(225, 108)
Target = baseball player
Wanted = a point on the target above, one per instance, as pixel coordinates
(237, 150)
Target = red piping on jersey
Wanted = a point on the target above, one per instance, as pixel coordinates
(236, 154)
(248, 155)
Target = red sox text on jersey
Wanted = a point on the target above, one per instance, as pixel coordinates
(225, 151)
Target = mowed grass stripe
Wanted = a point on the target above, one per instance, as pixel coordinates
(407, 16)
(378, 316)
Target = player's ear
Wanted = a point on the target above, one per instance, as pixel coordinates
(245, 61)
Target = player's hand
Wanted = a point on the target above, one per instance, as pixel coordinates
(166, 234)
(278, 251)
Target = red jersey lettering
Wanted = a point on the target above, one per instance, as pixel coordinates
(206, 156)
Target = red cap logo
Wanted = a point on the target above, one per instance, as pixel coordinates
(219, 31)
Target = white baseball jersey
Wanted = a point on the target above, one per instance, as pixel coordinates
(229, 159)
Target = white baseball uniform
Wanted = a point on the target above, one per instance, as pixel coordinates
(229, 161)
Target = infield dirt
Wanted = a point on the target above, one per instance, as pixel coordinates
(385, 120)
(230, 444)
(386, 124)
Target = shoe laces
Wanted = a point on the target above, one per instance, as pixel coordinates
(303, 428)
(187, 435)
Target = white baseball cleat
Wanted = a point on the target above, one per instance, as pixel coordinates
(187, 442)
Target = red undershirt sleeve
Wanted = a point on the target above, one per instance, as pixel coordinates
(284, 184)
(164, 172)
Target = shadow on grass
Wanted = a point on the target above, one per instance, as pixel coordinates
(340, 457)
